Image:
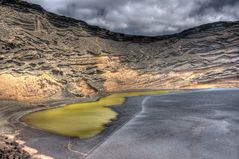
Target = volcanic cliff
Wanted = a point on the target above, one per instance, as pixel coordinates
(45, 56)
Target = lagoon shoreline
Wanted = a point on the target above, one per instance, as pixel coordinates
(57, 146)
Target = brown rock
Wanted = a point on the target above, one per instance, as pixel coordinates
(44, 56)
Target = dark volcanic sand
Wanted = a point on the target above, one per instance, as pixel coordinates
(194, 125)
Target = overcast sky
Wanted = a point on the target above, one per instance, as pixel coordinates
(145, 17)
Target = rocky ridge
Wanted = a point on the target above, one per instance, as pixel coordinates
(44, 56)
(10, 149)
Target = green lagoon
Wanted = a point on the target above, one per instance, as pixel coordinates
(83, 120)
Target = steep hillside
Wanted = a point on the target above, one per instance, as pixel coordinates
(44, 56)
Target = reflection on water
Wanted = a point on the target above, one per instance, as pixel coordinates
(82, 120)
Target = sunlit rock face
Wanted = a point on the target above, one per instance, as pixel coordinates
(44, 56)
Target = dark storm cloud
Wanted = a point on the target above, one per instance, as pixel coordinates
(216, 5)
(145, 17)
(219, 4)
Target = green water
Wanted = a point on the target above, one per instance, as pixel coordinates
(82, 120)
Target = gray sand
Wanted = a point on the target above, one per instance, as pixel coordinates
(195, 125)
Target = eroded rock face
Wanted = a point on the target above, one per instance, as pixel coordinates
(44, 56)
(29, 87)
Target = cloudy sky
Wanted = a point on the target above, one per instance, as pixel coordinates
(145, 17)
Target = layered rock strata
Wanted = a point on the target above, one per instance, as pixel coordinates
(45, 56)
